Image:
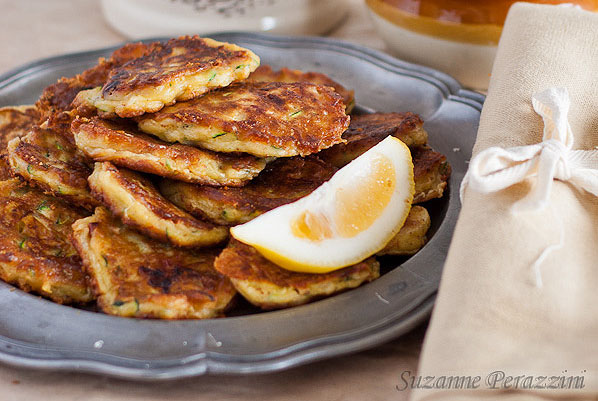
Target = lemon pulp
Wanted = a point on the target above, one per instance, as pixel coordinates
(356, 214)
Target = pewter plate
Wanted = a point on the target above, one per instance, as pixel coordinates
(40, 334)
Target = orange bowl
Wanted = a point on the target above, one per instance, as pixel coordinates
(458, 37)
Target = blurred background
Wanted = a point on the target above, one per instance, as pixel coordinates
(61, 26)
(458, 37)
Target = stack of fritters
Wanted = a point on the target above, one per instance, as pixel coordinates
(168, 145)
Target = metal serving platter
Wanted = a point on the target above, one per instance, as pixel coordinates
(38, 333)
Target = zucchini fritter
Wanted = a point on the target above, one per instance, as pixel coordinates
(138, 203)
(367, 130)
(15, 122)
(36, 253)
(124, 146)
(55, 102)
(135, 276)
(51, 162)
(269, 286)
(431, 172)
(178, 70)
(265, 74)
(5, 170)
(412, 236)
(262, 119)
(282, 181)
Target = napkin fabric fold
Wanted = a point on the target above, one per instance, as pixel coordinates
(490, 320)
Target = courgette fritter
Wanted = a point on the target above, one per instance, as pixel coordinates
(36, 253)
(55, 103)
(367, 130)
(262, 119)
(50, 161)
(15, 122)
(282, 181)
(177, 70)
(123, 145)
(412, 236)
(135, 276)
(269, 286)
(134, 199)
(265, 73)
(431, 171)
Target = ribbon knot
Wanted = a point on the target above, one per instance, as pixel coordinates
(560, 152)
(497, 168)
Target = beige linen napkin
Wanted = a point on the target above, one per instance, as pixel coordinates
(489, 315)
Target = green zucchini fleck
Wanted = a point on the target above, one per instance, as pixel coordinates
(296, 113)
(43, 206)
(212, 77)
(444, 168)
(59, 146)
(105, 260)
(23, 244)
(29, 169)
(240, 66)
(118, 303)
(219, 134)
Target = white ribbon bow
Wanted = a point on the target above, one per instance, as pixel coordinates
(497, 168)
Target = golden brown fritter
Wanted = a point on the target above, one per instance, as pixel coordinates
(263, 119)
(36, 253)
(282, 181)
(269, 286)
(431, 172)
(15, 122)
(286, 180)
(264, 73)
(138, 203)
(135, 276)
(55, 102)
(178, 70)
(124, 146)
(412, 236)
(51, 162)
(367, 130)
(5, 170)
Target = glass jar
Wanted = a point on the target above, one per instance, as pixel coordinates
(458, 37)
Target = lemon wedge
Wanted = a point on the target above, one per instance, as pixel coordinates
(345, 220)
